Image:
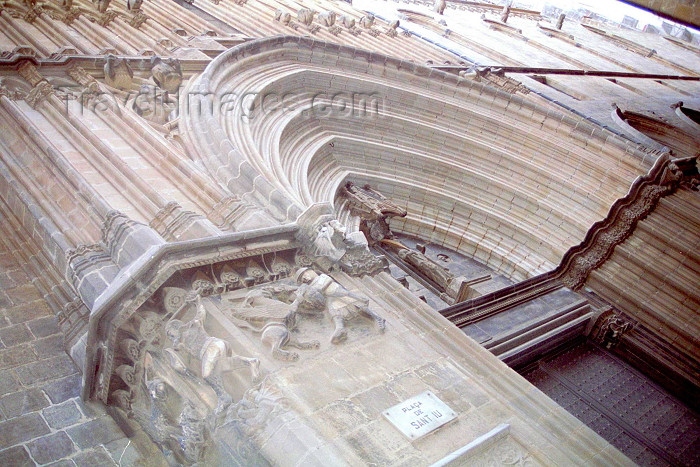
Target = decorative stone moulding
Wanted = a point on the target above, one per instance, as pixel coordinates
(663, 179)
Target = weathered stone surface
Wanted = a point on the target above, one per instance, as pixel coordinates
(62, 415)
(16, 456)
(15, 356)
(8, 382)
(124, 452)
(20, 429)
(51, 448)
(22, 402)
(28, 312)
(63, 389)
(44, 370)
(14, 335)
(98, 431)
(92, 457)
(43, 327)
(48, 346)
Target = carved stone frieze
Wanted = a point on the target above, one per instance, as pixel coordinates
(66, 16)
(179, 380)
(39, 93)
(495, 77)
(12, 94)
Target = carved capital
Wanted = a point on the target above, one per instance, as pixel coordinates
(80, 76)
(38, 93)
(29, 72)
(137, 19)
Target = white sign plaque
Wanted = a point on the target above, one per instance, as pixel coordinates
(419, 415)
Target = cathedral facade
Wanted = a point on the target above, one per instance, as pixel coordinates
(300, 233)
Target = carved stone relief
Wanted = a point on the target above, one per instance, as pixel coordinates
(180, 378)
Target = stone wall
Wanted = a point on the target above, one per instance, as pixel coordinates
(42, 418)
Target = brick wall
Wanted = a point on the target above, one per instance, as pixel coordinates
(42, 419)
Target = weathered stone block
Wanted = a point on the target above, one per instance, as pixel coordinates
(63, 415)
(8, 382)
(99, 431)
(16, 356)
(44, 370)
(43, 327)
(63, 389)
(124, 452)
(15, 335)
(93, 457)
(22, 402)
(28, 312)
(49, 346)
(375, 399)
(16, 457)
(51, 448)
(21, 429)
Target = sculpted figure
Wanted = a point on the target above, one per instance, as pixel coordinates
(271, 306)
(212, 356)
(319, 293)
(505, 13)
(374, 209)
(134, 4)
(118, 73)
(329, 241)
(347, 21)
(367, 21)
(102, 5)
(306, 16)
(177, 431)
(167, 73)
(327, 19)
(391, 29)
(282, 16)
